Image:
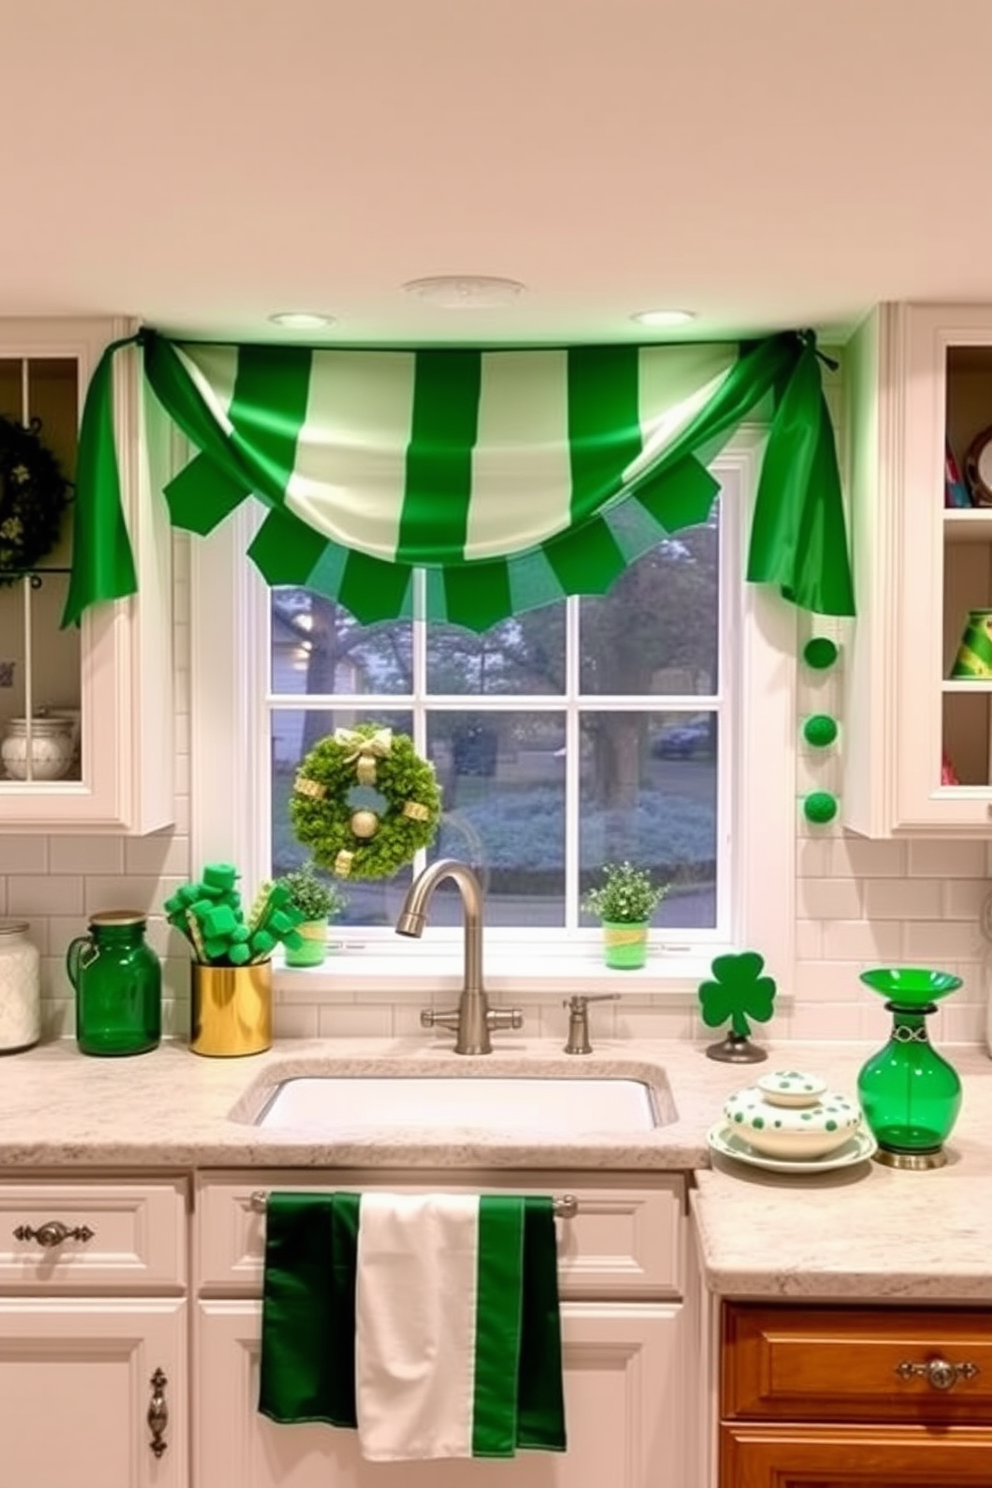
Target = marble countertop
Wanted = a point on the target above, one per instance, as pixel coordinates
(859, 1232)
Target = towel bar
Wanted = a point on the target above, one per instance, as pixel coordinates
(567, 1207)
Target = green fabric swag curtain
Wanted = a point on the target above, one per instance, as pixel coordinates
(513, 477)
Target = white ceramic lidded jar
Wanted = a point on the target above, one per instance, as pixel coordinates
(20, 988)
(52, 748)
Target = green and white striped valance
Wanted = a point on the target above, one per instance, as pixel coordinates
(513, 477)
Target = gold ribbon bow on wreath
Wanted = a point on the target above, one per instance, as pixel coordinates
(365, 749)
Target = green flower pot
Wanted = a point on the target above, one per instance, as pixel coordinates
(625, 946)
(314, 948)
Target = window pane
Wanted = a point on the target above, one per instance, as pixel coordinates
(503, 778)
(319, 649)
(524, 655)
(656, 632)
(649, 793)
(294, 732)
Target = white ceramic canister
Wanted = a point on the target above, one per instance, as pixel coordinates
(52, 748)
(20, 988)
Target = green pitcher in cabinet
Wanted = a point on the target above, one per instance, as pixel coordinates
(118, 982)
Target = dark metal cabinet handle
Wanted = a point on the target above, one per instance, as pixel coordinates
(158, 1413)
(53, 1232)
(939, 1374)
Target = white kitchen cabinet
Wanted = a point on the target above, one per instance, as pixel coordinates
(114, 673)
(79, 1379)
(622, 1369)
(628, 1343)
(93, 1338)
(916, 376)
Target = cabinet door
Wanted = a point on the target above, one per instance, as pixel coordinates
(854, 1457)
(76, 1387)
(110, 680)
(624, 1371)
(918, 738)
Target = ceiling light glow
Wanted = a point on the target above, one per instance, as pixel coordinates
(663, 317)
(300, 320)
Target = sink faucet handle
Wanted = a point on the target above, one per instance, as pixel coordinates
(578, 1021)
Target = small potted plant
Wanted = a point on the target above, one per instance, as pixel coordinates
(624, 902)
(318, 899)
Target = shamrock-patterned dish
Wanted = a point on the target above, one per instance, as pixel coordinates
(790, 1114)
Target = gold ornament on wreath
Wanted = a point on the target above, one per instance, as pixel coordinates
(350, 837)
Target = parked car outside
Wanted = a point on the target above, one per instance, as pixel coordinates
(682, 741)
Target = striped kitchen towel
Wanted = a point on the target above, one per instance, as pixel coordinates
(428, 1321)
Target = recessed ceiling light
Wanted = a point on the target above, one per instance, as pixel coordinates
(301, 320)
(663, 317)
(465, 291)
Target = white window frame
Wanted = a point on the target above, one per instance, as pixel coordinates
(757, 806)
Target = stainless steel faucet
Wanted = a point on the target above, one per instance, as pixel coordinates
(578, 1020)
(473, 1020)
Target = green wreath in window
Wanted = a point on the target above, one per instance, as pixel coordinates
(364, 802)
(33, 497)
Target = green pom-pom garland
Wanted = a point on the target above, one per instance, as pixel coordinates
(323, 817)
(820, 730)
(820, 653)
(820, 807)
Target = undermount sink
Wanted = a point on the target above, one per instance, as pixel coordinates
(328, 1103)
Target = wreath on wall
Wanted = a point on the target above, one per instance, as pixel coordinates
(34, 494)
(364, 802)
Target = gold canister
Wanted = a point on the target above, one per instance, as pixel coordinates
(231, 1009)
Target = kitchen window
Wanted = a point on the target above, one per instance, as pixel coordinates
(653, 723)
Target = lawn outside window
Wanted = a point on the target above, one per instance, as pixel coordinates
(653, 724)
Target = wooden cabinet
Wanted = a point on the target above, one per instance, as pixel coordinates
(825, 1396)
(93, 1369)
(627, 1344)
(110, 679)
(918, 740)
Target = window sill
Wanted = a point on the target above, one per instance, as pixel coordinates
(353, 972)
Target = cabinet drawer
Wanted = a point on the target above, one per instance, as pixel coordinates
(847, 1364)
(622, 1241)
(123, 1236)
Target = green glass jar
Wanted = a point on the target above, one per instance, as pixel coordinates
(909, 1093)
(118, 982)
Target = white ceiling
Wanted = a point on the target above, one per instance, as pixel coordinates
(768, 163)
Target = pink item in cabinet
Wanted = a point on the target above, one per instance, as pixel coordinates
(955, 490)
(948, 774)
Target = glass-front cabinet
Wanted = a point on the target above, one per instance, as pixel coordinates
(918, 703)
(86, 737)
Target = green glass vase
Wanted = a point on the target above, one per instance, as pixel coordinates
(910, 1094)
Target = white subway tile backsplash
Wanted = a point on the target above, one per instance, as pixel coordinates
(830, 981)
(860, 858)
(903, 898)
(85, 855)
(31, 894)
(809, 940)
(940, 940)
(157, 855)
(813, 857)
(830, 898)
(964, 898)
(940, 859)
(874, 942)
(23, 854)
(369, 1020)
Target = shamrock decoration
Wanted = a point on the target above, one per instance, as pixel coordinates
(739, 991)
